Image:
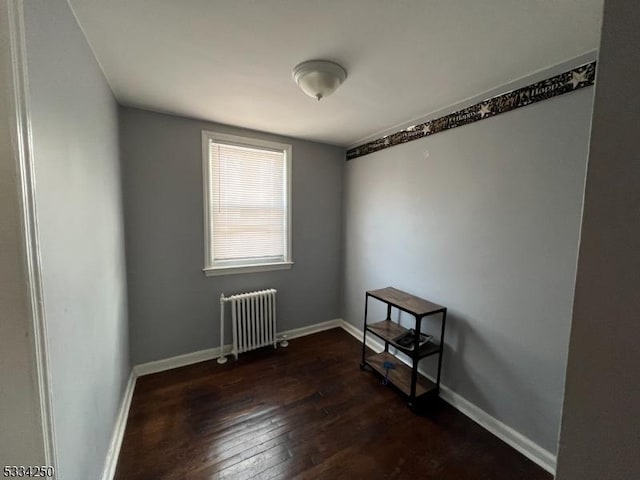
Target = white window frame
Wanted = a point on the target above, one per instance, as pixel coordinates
(213, 270)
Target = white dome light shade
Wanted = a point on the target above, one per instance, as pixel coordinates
(319, 78)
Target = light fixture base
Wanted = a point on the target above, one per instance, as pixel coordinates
(319, 78)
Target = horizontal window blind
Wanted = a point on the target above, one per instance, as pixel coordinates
(248, 205)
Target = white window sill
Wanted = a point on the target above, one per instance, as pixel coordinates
(262, 267)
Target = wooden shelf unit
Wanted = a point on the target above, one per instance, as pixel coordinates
(405, 378)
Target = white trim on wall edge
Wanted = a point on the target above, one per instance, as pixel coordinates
(211, 353)
(20, 117)
(118, 430)
(514, 439)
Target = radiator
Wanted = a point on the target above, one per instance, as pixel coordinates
(253, 320)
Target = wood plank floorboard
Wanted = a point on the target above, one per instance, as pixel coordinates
(302, 412)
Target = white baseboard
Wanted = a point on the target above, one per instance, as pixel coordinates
(516, 440)
(211, 353)
(508, 435)
(179, 361)
(372, 341)
(118, 430)
(315, 328)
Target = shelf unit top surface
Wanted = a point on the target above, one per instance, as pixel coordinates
(405, 301)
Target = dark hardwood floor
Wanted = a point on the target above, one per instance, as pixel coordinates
(308, 412)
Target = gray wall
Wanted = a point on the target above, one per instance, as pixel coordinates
(483, 219)
(173, 308)
(75, 140)
(601, 417)
(21, 439)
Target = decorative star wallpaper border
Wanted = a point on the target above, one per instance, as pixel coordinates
(575, 79)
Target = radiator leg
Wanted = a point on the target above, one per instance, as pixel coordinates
(222, 359)
(234, 323)
(272, 319)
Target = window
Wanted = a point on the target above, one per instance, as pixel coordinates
(247, 204)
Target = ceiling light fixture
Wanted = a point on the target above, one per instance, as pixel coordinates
(319, 78)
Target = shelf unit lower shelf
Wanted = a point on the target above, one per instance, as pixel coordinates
(400, 377)
(388, 330)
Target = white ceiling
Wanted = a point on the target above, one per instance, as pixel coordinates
(230, 61)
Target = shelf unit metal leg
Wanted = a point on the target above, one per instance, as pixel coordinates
(386, 344)
(364, 331)
(414, 362)
(444, 321)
